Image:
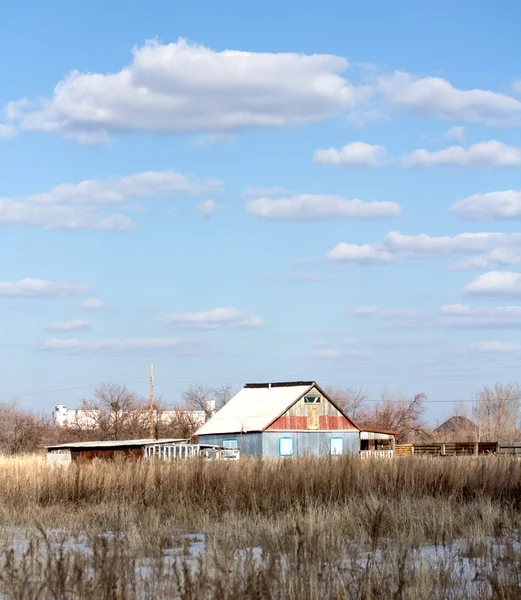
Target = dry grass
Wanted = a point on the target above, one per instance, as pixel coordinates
(322, 528)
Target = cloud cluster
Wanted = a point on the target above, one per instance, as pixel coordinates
(491, 154)
(496, 284)
(310, 207)
(123, 346)
(83, 205)
(208, 207)
(216, 318)
(433, 96)
(184, 87)
(493, 347)
(40, 288)
(344, 350)
(92, 304)
(492, 205)
(64, 326)
(456, 133)
(461, 316)
(355, 154)
(464, 316)
(498, 248)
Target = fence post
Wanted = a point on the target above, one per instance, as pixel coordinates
(476, 448)
(443, 449)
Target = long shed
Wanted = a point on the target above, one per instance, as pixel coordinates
(108, 450)
(282, 419)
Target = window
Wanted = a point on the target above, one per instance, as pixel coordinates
(337, 446)
(286, 446)
(312, 399)
(230, 444)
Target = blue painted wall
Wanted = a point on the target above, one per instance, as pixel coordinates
(306, 443)
(250, 444)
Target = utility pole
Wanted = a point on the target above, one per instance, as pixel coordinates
(151, 403)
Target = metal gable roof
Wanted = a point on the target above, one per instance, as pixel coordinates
(255, 407)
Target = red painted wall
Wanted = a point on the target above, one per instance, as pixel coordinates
(301, 423)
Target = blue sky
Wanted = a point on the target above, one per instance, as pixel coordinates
(243, 192)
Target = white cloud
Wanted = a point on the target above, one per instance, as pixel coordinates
(83, 205)
(208, 207)
(256, 192)
(464, 316)
(493, 347)
(384, 314)
(355, 154)
(216, 318)
(395, 245)
(7, 132)
(116, 190)
(486, 154)
(184, 87)
(414, 246)
(492, 205)
(324, 350)
(456, 134)
(92, 304)
(497, 257)
(437, 97)
(359, 254)
(495, 284)
(327, 352)
(78, 324)
(310, 277)
(40, 288)
(309, 207)
(122, 347)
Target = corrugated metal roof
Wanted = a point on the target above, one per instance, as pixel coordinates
(116, 443)
(254, 408)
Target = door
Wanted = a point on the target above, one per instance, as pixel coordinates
(313, 416)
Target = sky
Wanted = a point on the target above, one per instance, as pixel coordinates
(241, 192)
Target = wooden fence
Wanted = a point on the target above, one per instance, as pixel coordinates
(458, 449)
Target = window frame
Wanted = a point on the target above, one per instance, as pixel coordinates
(336, 439)
(283, 439)
(312, 400)
(234, 443)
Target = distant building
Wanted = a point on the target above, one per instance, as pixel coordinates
(457, 428)
(88, 418)
(290, 419)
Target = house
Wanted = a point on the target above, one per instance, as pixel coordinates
(289, 419)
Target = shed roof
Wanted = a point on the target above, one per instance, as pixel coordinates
(115, 443)
(256, 406)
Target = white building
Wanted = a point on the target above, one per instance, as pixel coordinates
(88, 419)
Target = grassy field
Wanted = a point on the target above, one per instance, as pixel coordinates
(307, 528)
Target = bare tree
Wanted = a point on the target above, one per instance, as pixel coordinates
(350, 400)
(22, 430)
(401, 414)
(207, 399)
(496, 410)
(115, 413)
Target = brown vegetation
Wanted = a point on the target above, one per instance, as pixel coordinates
(332, 528)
